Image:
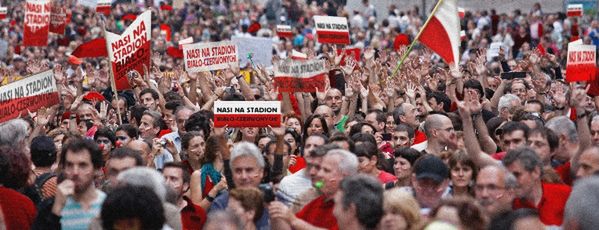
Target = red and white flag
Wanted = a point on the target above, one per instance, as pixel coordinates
(30, 93)
(442, 34)
(575, 10)
(104, 7)
(581, 63)
(332, 30)
(3, 12)
(300, 76)
(461, 12)
(284, 31)
(186, 41)
(37, 22)
(131, 50)
(58, 18)
(296, 55)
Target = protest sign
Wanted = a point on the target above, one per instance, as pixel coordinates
(131, 50)
(37, 22)
(296, 55)
(209, 56)
(493, 51)
(247, 113)
(58, 18)
(355, 52)
(284, 31)
(581, 63)
(332, 29)
(88, 3)
(300, 76)
(256, 50)
(30, 93)
(104, 7)
(3, 11)
(575, 10)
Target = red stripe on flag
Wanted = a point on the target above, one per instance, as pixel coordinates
(295, 84)
(93, 48)
(11, 109)
(334, 37)
(247, 120)
(436, 38)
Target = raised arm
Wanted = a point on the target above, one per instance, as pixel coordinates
(468, 108)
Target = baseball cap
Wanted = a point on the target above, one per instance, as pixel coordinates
(431, 167)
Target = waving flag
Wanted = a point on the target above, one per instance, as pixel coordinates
(442, 33)
(90, 49)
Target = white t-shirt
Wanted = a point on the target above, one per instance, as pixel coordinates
(293, 185)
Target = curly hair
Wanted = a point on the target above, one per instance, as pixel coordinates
(15, 167)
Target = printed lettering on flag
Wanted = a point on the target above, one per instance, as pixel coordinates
(30, 93)
(247, 113)
(300, 76)
(58, 18)
(208, 56)
(581, 63)
(575, 10)
(104, 7)
(3, 12)
(254, 50)
(332, 30)
(131, 50)
(88, 3)
(284, 31)
(37, 22)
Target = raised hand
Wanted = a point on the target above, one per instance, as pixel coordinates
(369, 53)
(411, 90)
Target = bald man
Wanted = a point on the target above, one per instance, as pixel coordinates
(440, 134)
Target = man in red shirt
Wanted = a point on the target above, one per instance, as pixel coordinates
(336, 165)
(177, 177)
(548, 199)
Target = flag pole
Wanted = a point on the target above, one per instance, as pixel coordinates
(405, 55)
(111, 75)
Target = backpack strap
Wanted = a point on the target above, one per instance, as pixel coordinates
(42, 179)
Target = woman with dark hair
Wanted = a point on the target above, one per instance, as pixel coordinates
(16, 210)
(207, 166)
(402, 166)
(296, 161)
(462, 212)
(291, 120)
(463, 173)
(132, 207)
(368, 162)
(315, 124)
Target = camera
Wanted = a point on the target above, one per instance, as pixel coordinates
(268, 194)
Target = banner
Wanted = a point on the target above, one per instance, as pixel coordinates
(256, 50)
(58, 18)
(3, 12)
(37, 22)
(349, 52)
(332, 29)
(493, 50)
(575, 10)
(88, 3)
(186, 41)
(104, 7)
(30, 93)
(300, 76)
(284, 31)
(131, 50)
(247, 113)
(208, 56)
(581, 63)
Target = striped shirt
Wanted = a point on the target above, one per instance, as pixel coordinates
(75, 217)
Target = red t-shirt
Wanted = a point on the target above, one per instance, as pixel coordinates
(319, 213)
(551, 207)
(564, 172)
(498, 156)
(192, 216)
(385, 177)
(18, 210)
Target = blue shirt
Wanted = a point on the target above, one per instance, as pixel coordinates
(75, 217)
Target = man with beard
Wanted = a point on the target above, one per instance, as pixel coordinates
(77, 200)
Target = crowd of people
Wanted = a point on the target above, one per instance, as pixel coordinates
(428, 147)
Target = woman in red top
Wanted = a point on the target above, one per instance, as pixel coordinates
(368, 157)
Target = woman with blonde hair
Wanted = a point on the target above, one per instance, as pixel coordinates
(402, 211)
